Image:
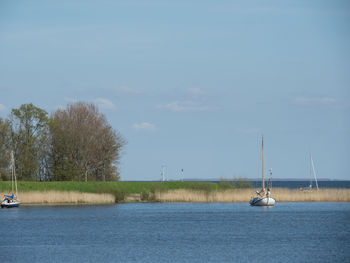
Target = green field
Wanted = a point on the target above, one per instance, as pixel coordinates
(118, 189)
(100, 187)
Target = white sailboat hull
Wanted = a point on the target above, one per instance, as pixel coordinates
(5, 204)
(262, 201)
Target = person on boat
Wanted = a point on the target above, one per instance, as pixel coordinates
(259, 192)
(268, 192)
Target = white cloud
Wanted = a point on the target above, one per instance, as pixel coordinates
(105, 104)
(127, 91)
(2, 107)
(315, 101)
(146, 126)
(179, 106)
(196, 91)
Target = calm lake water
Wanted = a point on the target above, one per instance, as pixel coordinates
(177, 232)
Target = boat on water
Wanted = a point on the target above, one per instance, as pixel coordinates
(11, 200)
(312, 177)
(263, 197)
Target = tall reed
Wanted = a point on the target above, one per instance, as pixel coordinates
(67, 197)
(244, 195)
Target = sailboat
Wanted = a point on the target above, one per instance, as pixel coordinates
(11, 199)
(312, 176)
(263, 197)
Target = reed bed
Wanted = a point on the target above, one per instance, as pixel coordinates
(67, 197)
(244, 195)
(321, 195)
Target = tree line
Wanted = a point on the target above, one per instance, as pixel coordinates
(75, 143)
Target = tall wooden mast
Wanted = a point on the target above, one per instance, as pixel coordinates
(13, 170)
(263, 180)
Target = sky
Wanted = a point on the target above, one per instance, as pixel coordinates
(192, 85)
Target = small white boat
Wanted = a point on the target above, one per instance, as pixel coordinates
(263, 197)
(262, 201)
(11, 200)
(312, 177)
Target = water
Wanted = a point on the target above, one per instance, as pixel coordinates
(291, 184)
(177, 232)
(294, 184)
(305, 184)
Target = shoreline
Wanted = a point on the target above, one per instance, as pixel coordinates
(64, 198)
(33, 198)
(244, 195)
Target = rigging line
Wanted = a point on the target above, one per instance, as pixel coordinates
(313, 169)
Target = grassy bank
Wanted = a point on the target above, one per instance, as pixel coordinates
(66, 192)
(118, 189)
(92, 187)
(127, 187)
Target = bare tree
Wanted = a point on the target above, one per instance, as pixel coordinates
(84, 145)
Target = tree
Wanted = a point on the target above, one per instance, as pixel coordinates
(84, 145)
(4, 149)
(29, 140)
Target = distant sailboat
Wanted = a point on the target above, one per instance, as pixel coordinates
(263, 197)
(312, 176)
(11, 199)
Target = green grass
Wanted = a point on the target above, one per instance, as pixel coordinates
(107, 187)
(118, 189)
(127, 187)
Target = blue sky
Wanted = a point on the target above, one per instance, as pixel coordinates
(192, 84)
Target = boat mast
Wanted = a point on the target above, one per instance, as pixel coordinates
(310, 186)
(13, 170)
(263, 180)
(313, 169)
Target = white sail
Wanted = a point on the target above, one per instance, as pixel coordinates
(313, 171)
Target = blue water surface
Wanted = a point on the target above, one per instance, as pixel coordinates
(177, 232)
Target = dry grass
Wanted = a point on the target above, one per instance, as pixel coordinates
(187, 195)
(244, 195)
(56, 197)
(322, 195)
